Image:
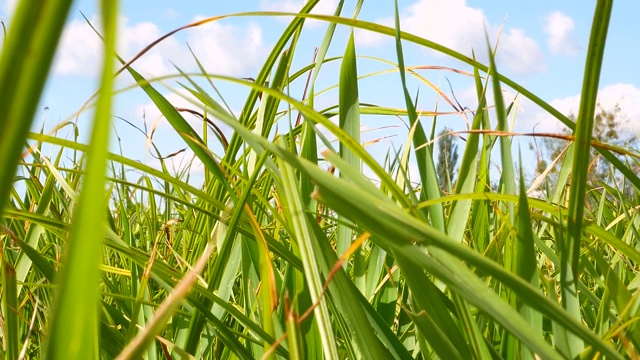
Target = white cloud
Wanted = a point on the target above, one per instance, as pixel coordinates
(560, 34)
(324, 7)
(520, 53)
(223, 49)
(80, 48)
(227, 49)
(456, 25)
(448, 22)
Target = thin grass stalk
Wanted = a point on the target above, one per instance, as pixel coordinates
(10, 308)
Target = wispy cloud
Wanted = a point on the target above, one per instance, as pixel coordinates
(80, 49)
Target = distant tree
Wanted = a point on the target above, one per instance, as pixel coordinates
(606, 129)
(447, 159)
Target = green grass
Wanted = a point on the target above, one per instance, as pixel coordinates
(278, 257)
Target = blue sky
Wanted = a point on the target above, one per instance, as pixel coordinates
(542, 46)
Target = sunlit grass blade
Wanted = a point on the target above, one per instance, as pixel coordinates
(349, 121)
(507, 180)
(570, 246)
(346, 296)
(526, 264)
(73, 326)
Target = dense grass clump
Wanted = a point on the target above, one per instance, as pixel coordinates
(288, 250)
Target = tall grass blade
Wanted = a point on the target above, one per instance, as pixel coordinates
(73, 325)
(526, 264)
(570, 247)
(424, 158)
(25, 62)
(304, 236)
(350, 122)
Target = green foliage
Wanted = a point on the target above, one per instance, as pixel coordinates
(608, 130)
(247, 267)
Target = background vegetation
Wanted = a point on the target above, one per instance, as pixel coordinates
(288, 250)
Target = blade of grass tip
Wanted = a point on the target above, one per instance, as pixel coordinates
(349, 121)
(570, 250)
(73, 324)
(526, 264)
(25, 62)
(424, 158)
(508, 175)
(467, 178)
(507, 178)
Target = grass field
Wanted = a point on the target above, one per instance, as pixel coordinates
(288, 250)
